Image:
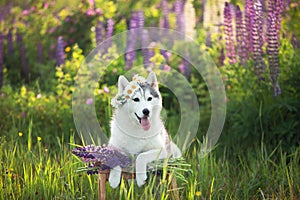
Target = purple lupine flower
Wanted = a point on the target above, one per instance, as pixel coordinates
(178, 9)
(99, 32)
(1, 60)
(257, 39)
(240, 37)
(249, 15)
(273, 45)
(102, 157)
(229, 34)
(24, 63)
(60, 54)
(165, 14)
(109, 31)
(110, 28)
(10, 44)
(40, 52)
(279, 5)
(132, 35)
(140, 19)
(147, 53)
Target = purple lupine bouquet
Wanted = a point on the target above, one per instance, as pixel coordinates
(107, 157)
(101, 158)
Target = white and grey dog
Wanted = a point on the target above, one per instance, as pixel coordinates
(136, 127)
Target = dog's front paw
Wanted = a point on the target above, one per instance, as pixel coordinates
(115, 176)
(141, 179)
(140, 168)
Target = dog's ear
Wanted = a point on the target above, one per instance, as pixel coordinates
(152, 80)
(122, 83)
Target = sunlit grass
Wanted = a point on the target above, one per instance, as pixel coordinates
(31, 171)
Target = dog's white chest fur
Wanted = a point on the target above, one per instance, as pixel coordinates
(137, 141)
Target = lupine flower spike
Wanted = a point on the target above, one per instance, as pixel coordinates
(178, 8)
(146, 51)
(24, 63)
(165, 14)
(99, 32)
(257, 39)
(241, 37)
(60, 54)
(229, 34)
(130, 43)
(136, 21)
(249, 15)
(1, 60)
(109, 30)
(101, 157)
(273, 44)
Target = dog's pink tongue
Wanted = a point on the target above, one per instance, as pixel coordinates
(145, 123)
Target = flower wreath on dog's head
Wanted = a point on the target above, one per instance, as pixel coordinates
(128, 92)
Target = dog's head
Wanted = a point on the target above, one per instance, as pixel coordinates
(140, 99)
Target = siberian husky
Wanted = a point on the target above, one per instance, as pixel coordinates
(136, 127)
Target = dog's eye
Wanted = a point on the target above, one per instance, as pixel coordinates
(136, 99)
(149, 99)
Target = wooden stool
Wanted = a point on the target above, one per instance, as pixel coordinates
(103, 178)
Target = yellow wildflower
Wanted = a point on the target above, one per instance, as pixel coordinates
(20, 134)
(198, 193)
(39, 138)
(67, 49)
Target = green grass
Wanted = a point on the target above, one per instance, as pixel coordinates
(29, 171)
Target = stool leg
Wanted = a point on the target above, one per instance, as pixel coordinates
(174, 189)
(102, 186)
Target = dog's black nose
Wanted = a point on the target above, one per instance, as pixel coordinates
(146, 111)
